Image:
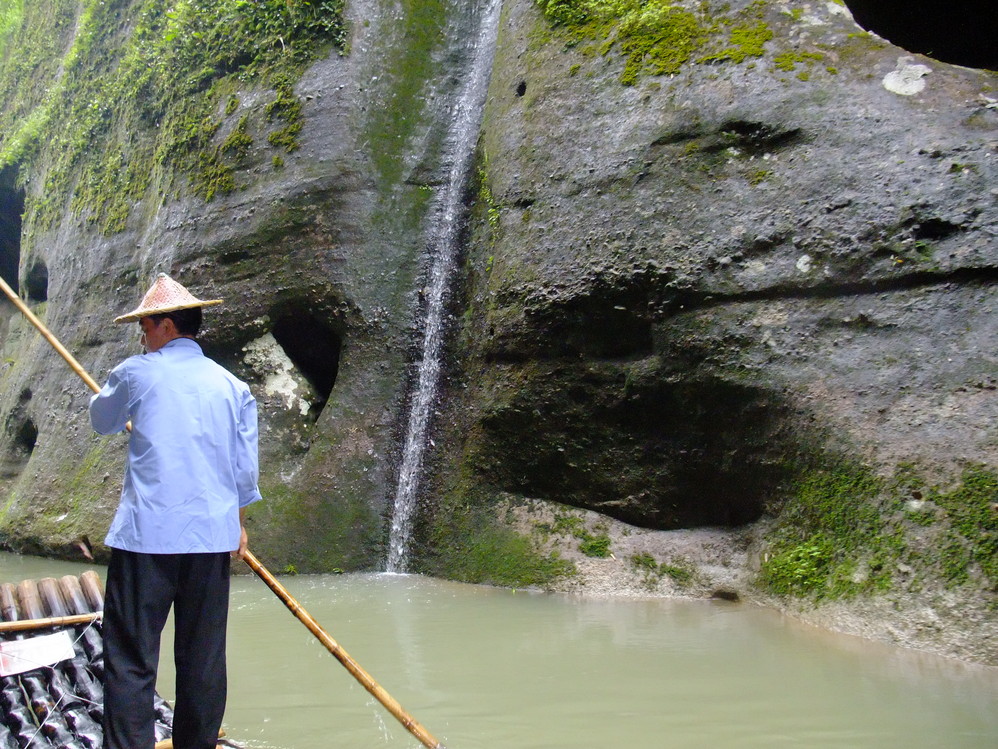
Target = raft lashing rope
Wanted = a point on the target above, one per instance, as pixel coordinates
(60, 705)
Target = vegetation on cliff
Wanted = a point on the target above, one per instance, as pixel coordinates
(847, 532)
(103, 100)
(660, 37)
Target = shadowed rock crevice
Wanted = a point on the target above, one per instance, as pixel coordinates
(903, 281)
(746, 138)
(311, 346)
(629, 443)
(36, 281)
(11, 209)
(22, 436)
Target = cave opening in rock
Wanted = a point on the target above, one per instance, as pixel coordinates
(11, 209)
(652, 451)
(36, 281)
(22, 437)
(957, 31)
(26, 437)
(311, 345)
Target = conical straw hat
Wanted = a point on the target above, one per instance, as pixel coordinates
(166, 295)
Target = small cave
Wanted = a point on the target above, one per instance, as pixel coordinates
(23, 437)
(958, 32)
(643, 449)
(311, 345)
(11, 209)
(36, 282)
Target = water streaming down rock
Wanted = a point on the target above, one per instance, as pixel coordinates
(444, 236)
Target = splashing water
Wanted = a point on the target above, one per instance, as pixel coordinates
(443, 243)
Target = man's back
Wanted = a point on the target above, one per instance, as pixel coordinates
(192, 458)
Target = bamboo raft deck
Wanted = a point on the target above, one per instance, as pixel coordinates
(61, 705)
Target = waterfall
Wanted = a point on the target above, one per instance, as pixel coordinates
(443, 242)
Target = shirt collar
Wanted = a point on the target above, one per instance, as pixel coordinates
(182, 343)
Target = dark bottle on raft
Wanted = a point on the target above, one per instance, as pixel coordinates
(74, 712)
(19, 717)
(53, 723)
(71, 681)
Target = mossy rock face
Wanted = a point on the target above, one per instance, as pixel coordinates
(289, 175)
(697, 286)
(716, 252)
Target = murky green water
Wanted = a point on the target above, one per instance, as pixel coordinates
(495, 668)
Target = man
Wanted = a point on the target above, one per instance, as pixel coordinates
(191, 471)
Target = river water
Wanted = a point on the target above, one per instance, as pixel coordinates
(482, 667)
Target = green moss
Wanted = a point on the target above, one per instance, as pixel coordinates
(659, 40)
(419, 27)
(788, 61)
(473, 547)
(119, 99)
(596, 546)
(311, 531)
(846, 532)
(745, 41)
(492, 207)
(800, 569)
(591, 544)
(832, 520)
(683, 573)
(239, 142)
(644, 561)
(972, 514)
(658, 37)
(286, 107)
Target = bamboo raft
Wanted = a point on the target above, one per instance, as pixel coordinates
(60, 705)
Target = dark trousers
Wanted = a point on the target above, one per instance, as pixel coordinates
(139, 593)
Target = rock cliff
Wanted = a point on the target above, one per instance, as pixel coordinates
(315, 243)
(728, 282)
(742, 278)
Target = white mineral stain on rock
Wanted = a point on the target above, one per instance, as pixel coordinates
(907, 79)
(805, 264)
(266, 357)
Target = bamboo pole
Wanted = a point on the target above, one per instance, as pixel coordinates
(355, 669)
(168, 743)
(49, 621)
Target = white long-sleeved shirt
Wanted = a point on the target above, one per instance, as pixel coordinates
(192, 453)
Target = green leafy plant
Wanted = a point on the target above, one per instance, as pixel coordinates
(683, 574)
(596, 546)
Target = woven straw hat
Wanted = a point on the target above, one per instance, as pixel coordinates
(166, 295)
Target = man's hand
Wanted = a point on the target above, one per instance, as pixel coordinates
(243, 544)
(243, 538)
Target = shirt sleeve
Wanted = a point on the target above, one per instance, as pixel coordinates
(247, 453)
(109, 407)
